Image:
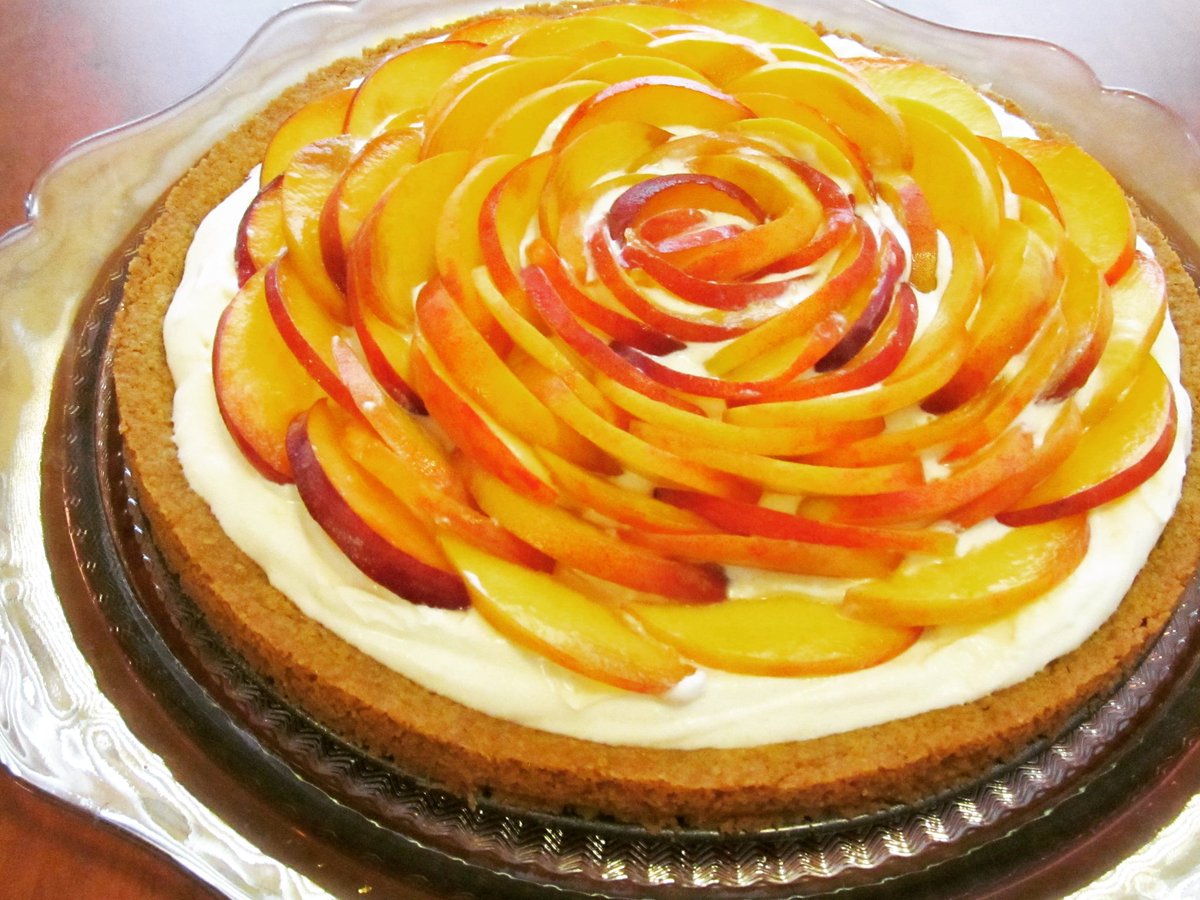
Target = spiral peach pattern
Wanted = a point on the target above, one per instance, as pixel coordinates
(565, 314)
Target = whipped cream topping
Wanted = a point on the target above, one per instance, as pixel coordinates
(458, 655)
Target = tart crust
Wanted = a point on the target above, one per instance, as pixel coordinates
(471, 753)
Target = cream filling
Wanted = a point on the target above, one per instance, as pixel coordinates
(458, 655)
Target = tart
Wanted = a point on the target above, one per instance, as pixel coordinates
(666, 412)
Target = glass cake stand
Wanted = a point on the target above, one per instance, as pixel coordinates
(116, 697)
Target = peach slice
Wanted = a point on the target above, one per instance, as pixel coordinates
(719, 58)
(1021, 287)
(1022, 176)
(908, 201)
(935, 499)
(843, 98)
(387, 351)
(626, 66)
(372, 170)
(589, 492)
(783, 635)
(752, 20)
(561, 321)
(773, 554)
(567, 34)
(406, 82)
(379, 276)
(1113, 456)
(896, 392)
(472, 364)
(1059, 441)
(319, 119)
(440, 513)
(835, 295)
(504, 218)
(494, 29)
(660, 101)
(1093, 206)
(739, 517)
(645, 15)
(1086, 303)
(471, 431)
(378, 534)
(457, 246)
(462, 123)
(985, 583)
(893, 77)
(260, 385)
(544, 615)
(305, 326)
(1139, 307)
(525, 124)
(308, 181)
(791, 477)
(955, 172)
(260, 237)
(576, 543)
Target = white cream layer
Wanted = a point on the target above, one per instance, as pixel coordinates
(459, 655)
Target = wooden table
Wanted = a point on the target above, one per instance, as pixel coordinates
(76, 67)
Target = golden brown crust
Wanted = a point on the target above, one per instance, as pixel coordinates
(469, 752)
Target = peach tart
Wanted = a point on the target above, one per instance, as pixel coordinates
(665, 411)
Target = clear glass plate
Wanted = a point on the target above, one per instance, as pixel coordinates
(115, 697)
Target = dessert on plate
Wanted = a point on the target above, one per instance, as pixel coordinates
(675, 412)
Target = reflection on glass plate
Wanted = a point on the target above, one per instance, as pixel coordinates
(71, 541)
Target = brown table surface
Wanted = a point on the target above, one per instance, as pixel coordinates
(76, 67)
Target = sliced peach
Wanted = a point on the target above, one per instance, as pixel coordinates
(778, 635)
(660, 101)
(524, 125)
(567, 34)
(457, 247)
(1093, 206)
(1016, 297)
(387, 350)
(494, 29)
(773, 554)
(378, 534)
(319, 119)
(462, 123)
(308, 181)
(633, 452)
(1086, 303)
(956, 174)
(908, 201)
(406, 82)
(893, 76)
(843, 98)
(471, 430)
(982, 584)
(305, 325)
(260, 385)
(1021, 176)
(561, 624)
(590, 492)
(644, 15)
(937, 498)
(752, 20)
(719, 58)
(382, 277)
(791, 477)
(739, 517)
(1056, 445)
(1139, 306)
(1113, 456)
(374, 167)
(260, 237)
(581, 545)
(472, 364)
